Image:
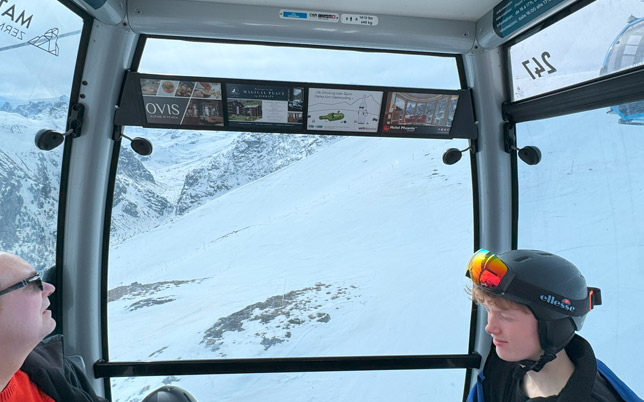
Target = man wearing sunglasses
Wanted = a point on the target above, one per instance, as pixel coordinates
(536, 301)
(31, 370)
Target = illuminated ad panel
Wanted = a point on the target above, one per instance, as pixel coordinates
(419, 113)
(264, 106)
(185, 103)
(343, 110)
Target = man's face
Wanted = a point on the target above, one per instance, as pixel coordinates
(514, 333)
(24, 318)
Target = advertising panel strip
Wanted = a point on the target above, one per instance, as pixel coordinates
(206, 103)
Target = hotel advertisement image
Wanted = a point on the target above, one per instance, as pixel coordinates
(182, 103)
(264, 106)
(344, 110)
(419, 113)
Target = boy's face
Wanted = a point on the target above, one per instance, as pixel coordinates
(514, 333)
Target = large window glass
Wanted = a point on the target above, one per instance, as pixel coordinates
(584, 202)
(601, 38)
(38, 47)
(253, 245)
(281, 63)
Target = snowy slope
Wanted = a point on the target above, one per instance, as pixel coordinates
(328, 256)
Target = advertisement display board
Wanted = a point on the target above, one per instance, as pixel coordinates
(183, 103)
(264, 106)
(343, 110)
(207, 103)
(419, 113)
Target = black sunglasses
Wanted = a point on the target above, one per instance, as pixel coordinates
(35, 280)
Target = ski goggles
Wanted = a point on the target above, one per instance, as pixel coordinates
(489, 272)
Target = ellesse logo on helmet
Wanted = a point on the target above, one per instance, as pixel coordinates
(563, 304)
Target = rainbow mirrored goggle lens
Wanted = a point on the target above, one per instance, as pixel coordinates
(486, 269)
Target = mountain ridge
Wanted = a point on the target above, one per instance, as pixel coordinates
(148, 190)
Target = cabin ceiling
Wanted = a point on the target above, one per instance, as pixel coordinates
(462, 10)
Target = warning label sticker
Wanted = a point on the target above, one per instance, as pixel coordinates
(359, 19)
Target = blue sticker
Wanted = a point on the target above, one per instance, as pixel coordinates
(294, 14)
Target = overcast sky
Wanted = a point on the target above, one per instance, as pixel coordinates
(299, 64)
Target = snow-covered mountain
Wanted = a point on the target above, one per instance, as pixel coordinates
(29, 180)
(148, 190)
(249, 157)
(188, 169)
(46, 110)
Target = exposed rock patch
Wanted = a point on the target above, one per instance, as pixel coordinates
(274, 320)
(137, 289)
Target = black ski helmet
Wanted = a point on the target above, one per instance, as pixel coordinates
(170, 393)
(552, 288)
(558, 276)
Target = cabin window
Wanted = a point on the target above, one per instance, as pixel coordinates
(38, 47)
(583, 201)
(256, 245)
(602, 38)
(280, 63)
(270, 245)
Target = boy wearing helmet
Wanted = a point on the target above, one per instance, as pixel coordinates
(535, 302)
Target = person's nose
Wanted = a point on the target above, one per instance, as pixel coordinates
(492, 327)
(48, 288)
